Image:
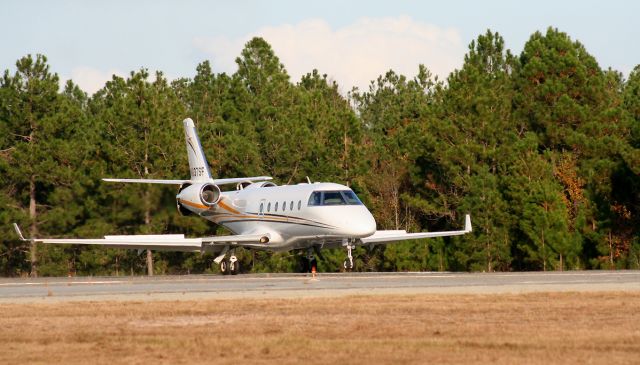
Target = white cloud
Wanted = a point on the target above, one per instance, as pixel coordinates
(352, 55)
(90, 79)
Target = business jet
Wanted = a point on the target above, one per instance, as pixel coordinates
(261, 216)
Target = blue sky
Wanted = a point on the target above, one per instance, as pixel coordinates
(351, 41)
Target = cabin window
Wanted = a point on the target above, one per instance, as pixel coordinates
(299, 204)
(269, 207)
(261, 208)
(276, 208)
(284, 206)
(291, 205)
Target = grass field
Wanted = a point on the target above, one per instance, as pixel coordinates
(542, 328)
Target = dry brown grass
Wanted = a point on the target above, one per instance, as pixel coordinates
(561, 328)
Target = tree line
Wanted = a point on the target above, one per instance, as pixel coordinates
(542, 148)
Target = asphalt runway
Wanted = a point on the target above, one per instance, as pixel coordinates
(303, 285)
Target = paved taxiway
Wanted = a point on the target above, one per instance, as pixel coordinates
(300, 285)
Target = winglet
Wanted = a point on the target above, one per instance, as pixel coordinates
(467, 224)
(15, 226)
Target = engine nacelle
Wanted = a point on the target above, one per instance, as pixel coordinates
(181, 208)
(197, 197)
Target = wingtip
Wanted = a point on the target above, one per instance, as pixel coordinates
(467, 223)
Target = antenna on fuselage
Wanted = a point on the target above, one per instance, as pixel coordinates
(308, 180)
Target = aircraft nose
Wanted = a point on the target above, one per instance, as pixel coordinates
(362, 225)
(369, 227)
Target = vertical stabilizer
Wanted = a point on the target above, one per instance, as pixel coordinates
(198, 165)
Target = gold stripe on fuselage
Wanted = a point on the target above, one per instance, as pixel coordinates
(201, 206)
(237, 216)
(226, 207)
(192, 204)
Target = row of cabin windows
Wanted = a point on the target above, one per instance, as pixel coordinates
(283, 206)
(317, 198)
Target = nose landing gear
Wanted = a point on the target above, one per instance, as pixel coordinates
(348, 262)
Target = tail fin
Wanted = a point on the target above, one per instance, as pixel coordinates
(198, 165)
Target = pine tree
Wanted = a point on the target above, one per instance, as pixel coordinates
(227, 134)
(570, 104)
(141, 137)
(42, 154)
(393, 113)
(336, 131)
(466, 148)
(272, 104)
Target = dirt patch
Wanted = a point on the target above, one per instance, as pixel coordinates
(541, 328)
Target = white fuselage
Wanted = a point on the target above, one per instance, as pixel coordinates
(286, 215)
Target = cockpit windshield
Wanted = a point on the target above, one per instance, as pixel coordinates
(335, 197)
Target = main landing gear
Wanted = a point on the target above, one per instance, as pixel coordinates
(230, 265)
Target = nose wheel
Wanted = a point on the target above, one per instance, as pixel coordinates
(347, 264)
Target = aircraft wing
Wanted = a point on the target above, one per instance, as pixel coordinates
(162, 242)
(234, 180)
(382, 237)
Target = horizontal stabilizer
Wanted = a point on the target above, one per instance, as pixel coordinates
(180, 182)
(148, 181)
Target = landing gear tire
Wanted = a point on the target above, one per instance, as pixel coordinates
(347, 265)
(224, 267)
(234, 265)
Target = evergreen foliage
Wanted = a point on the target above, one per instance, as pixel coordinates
(542, 149)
